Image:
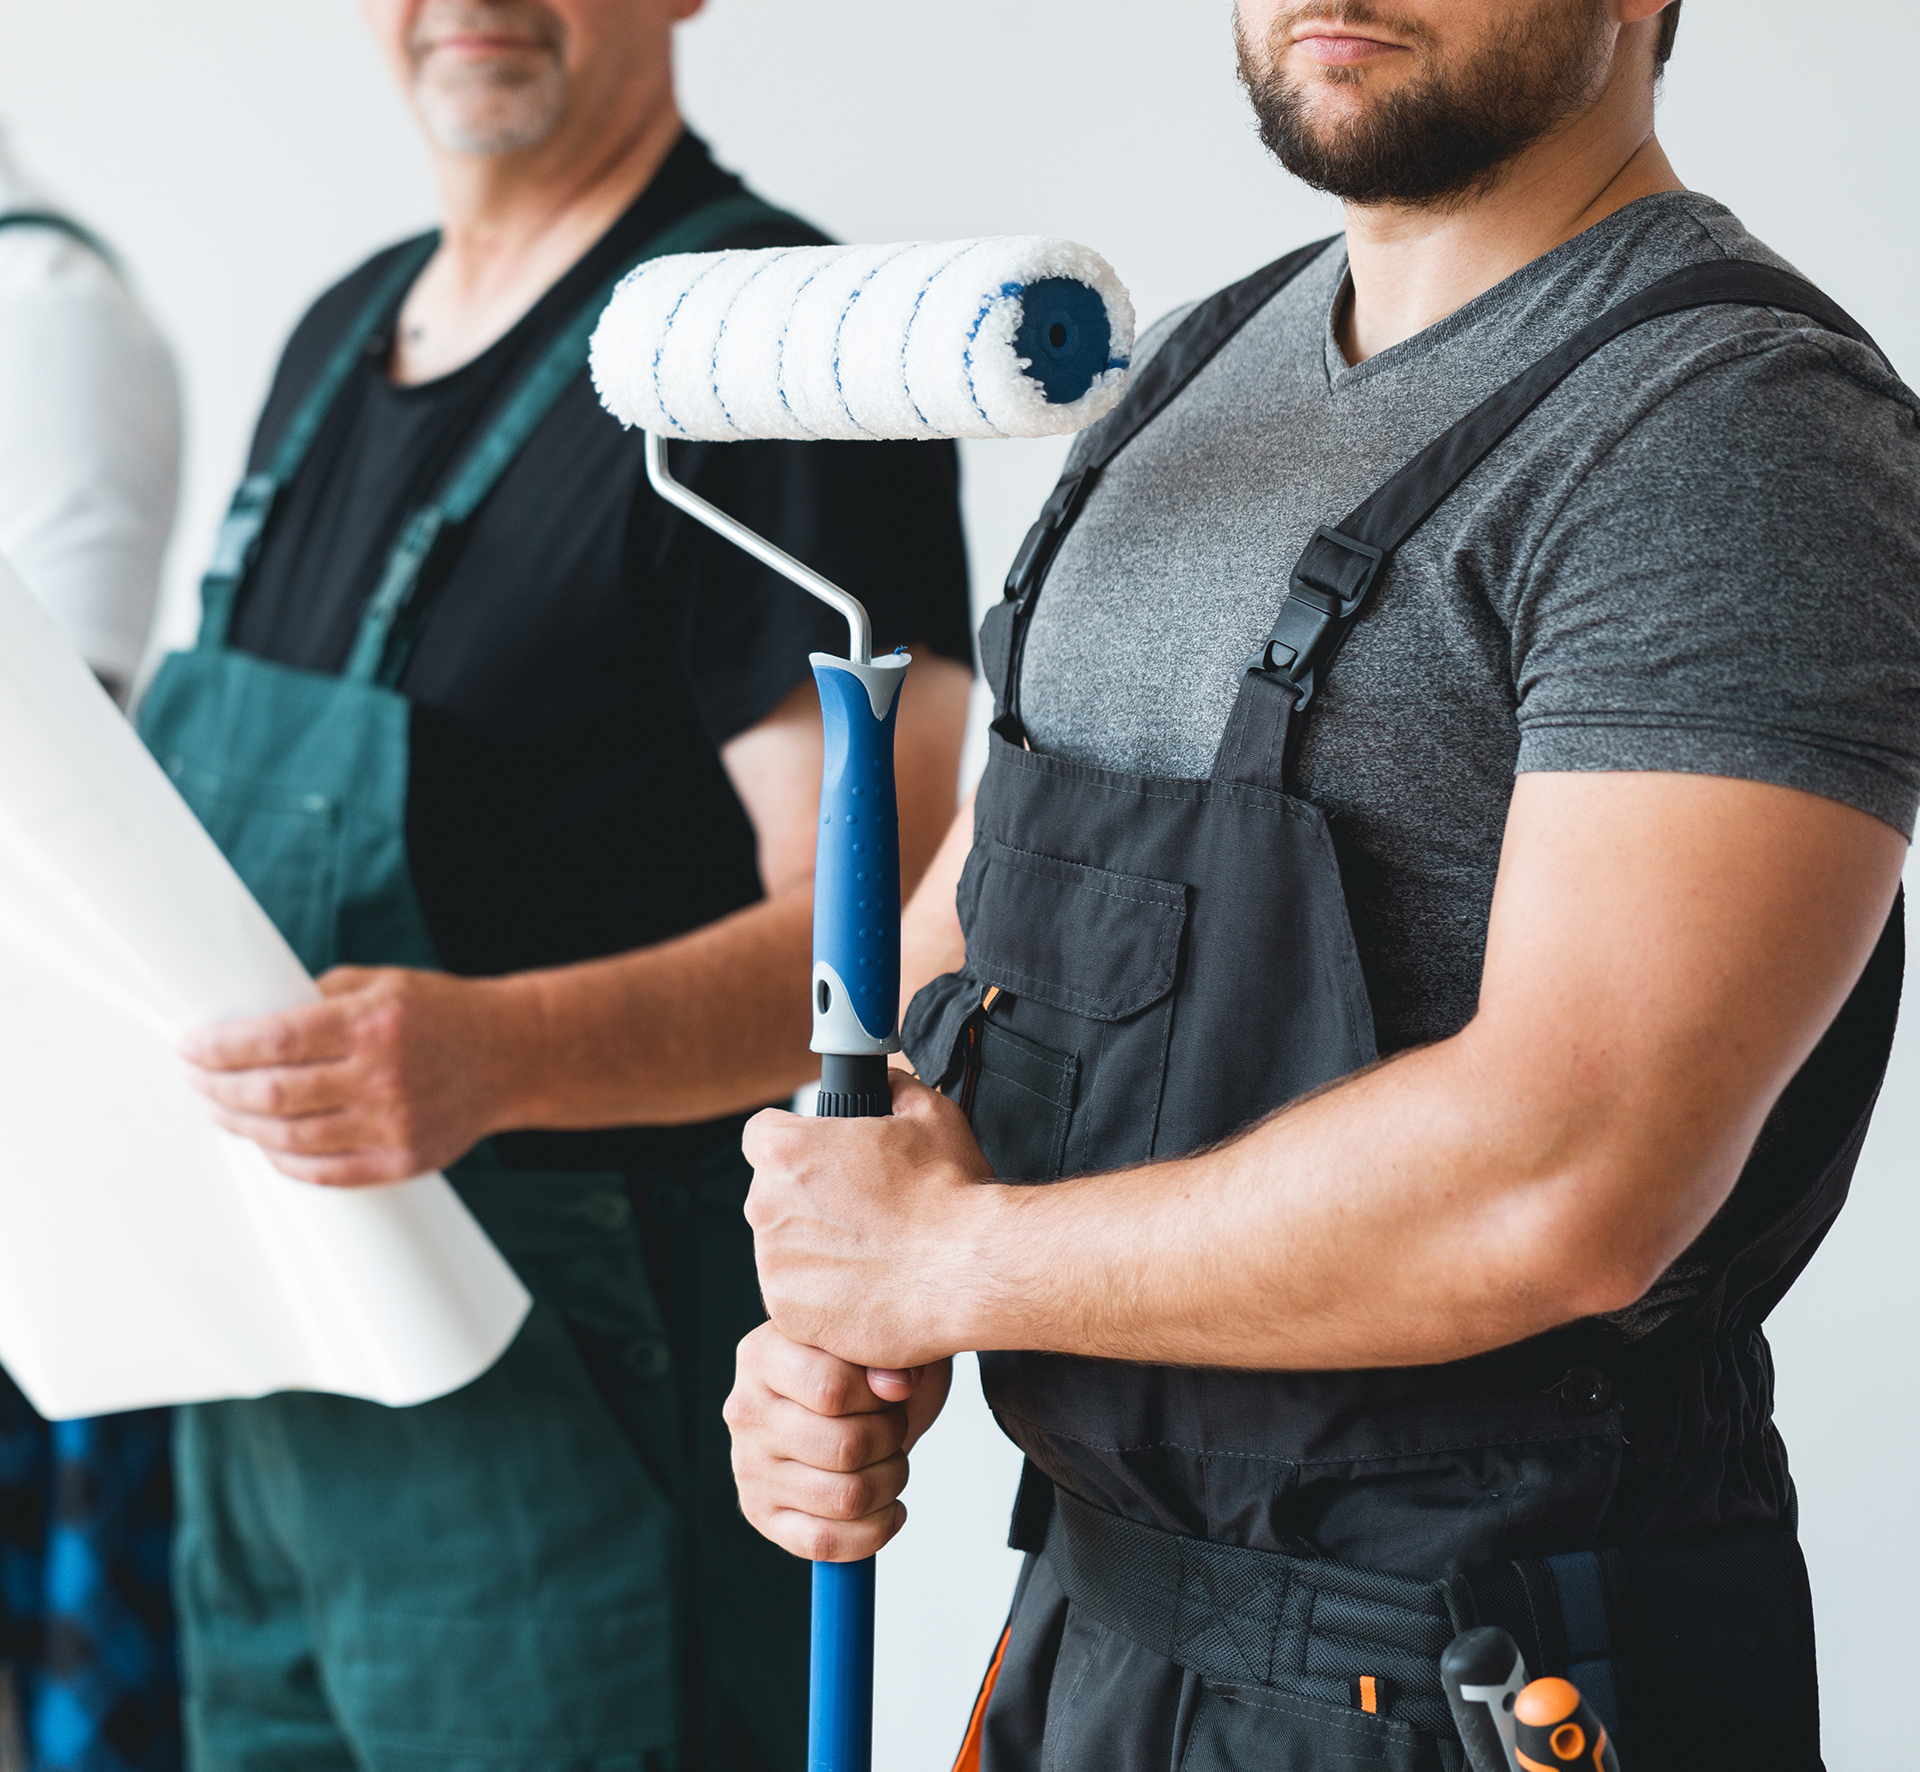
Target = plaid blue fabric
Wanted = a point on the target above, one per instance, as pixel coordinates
(86, 1614)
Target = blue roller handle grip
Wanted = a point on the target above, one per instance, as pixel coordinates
(856, 885)
(856, 951)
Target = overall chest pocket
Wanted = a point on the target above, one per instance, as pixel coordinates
(1071, 1059)
(283, 842)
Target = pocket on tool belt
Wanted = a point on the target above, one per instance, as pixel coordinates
(1256, 1729)
(1055, 1036)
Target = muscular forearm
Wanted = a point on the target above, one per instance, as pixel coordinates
(1546, 1163)
(1399, 1219)
(711, 1023)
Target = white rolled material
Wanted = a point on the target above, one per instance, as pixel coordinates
(850, 342)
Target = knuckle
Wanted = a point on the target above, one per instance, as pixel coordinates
(826, 1392)
(847, 1450)
(818, 1541)
(851, 1498)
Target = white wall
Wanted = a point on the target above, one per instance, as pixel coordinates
(244, 152)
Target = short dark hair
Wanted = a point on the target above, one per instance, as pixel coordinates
(1669, 23)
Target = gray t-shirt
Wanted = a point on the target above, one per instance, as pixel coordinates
(1701, 553)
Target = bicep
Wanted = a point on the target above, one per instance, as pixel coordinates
(1663, 953)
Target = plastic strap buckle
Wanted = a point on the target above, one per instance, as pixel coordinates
(1330, 584)
(1036, 552)
(241, 528)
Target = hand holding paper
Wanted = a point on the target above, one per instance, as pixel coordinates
(385, 1078)
(147, 1257)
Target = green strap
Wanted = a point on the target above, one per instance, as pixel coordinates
(237, 546)
(394, 612)
(61, 224)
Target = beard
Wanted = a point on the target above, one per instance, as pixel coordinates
(1442, 137)
(499, 106)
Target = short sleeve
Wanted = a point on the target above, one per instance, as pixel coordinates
(1734, 588)
(89, 453)
(882, 520)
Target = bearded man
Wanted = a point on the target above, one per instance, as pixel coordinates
(1430, 913)
(526, 767)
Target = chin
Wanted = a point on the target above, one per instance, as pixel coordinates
(501, 116)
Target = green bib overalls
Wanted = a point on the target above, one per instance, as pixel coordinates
(547, 1569)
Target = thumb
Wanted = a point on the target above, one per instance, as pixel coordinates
(893, 1384)
(338, 981)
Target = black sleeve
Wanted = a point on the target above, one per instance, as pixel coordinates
(882, 520)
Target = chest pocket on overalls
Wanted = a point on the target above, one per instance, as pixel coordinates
(1076, 1047)
(284, 843)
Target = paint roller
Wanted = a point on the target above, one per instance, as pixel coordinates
(1012, 337)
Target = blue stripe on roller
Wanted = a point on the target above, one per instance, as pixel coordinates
(666, 332)
(906, 332)
(840, 328)
(780, 363)
(1065, 336)
(979, 320)
(720, 333)
(856, 885)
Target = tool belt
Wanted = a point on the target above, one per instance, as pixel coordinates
(1643, 1632)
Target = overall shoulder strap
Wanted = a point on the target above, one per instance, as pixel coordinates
(1195, 342)
(1344, 562)
(61, 224)
(394, 612)
(238, 544)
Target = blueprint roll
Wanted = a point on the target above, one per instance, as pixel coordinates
(1019, 336)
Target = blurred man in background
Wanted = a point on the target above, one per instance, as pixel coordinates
(89, 471)
(526, 767)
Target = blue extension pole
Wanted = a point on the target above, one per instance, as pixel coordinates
(840, 1681)
(856, 1003)
(856, 995)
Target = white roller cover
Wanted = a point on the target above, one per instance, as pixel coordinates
(849, 342)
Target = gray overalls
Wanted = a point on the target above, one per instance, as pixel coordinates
(1151, 965)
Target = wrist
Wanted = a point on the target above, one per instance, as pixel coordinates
(987, 1298)
(512, 1049)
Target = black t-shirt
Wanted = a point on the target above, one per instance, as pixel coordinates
(586, 648)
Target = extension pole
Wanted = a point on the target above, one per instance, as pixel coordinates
(856, 988)
(856, 1006)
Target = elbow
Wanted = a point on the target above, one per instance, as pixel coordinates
(1601, 1246)
(1616, 1281)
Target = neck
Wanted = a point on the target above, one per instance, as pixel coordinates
(514, 224)
(496, 208)
(1414, 266)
